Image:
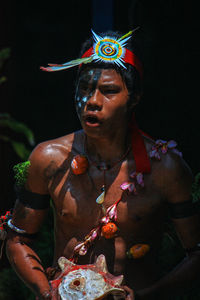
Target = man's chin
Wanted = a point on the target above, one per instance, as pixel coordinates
(93, 131)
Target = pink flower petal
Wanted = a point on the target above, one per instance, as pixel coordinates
(83, 250)
(164, 149)
(78, 247)
(140, 179)
(132, 188)
(171, 144)
(128, 186)
(125, 186)
(104, 220)
(152, 153)
(133, 174)
(94, 235)
(160, 142)
(177, 152)
(112, 212)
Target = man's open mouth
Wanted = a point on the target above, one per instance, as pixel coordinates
(92, 121)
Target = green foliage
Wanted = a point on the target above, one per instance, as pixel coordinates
(4, 55)
(7, 122)
(18, 127)
(21, 172)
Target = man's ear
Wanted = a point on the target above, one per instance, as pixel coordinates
(135, 100)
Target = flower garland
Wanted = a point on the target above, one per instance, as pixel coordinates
(3, 221)
(106, 226)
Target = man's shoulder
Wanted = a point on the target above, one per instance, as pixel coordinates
(169, 169)
(48, 157)
(164, 153)
(58, 148)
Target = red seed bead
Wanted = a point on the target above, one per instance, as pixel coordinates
(79, 164)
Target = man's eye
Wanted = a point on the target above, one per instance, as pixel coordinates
(111, 91)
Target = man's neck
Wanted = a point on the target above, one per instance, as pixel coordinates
(107, 149)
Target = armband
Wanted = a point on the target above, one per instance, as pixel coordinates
(32, 200)
(183, 209)
(20, 231)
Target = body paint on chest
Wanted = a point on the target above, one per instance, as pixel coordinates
(85, 88)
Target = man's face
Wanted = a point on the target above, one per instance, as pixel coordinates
(101, 101)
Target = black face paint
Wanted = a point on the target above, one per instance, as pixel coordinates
(85, 88)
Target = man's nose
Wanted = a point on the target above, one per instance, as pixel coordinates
(95, 101)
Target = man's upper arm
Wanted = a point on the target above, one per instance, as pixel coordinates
(184, 213)
(33, 200)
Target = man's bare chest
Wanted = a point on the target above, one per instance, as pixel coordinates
(75, 201)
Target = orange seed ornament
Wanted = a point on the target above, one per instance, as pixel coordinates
(79, 164)
(109, 230)
(138, 251)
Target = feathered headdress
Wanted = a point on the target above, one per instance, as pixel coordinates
(106, 49)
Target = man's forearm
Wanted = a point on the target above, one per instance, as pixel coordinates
(177, 282)
(27, 265)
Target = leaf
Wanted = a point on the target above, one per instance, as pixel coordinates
(7, 121)
(20, 149)
(3, 79)
(4, 54)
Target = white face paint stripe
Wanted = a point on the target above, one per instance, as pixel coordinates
(85, 99)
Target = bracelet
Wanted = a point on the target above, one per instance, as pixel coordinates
(46, 295)
(13, 227)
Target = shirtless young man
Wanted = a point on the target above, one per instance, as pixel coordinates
(106, 96)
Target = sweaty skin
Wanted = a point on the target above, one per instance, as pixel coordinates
(104, 118)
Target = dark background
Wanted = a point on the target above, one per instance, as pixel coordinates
(46, 32)
(39, 33)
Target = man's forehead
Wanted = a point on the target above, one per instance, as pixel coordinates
(94, 74)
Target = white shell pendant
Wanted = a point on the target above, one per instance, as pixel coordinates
(86, 282)
(101, 197)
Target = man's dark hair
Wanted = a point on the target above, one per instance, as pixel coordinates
(130, 75)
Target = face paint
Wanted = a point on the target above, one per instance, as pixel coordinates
(85, 88)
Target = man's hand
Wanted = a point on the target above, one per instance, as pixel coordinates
(129, 293)
(47, 295)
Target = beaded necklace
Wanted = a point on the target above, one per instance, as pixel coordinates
(102, 166)
(106, 226)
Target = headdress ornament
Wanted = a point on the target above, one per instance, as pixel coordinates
(105, 49)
